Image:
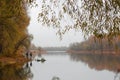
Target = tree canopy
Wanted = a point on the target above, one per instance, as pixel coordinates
(13, 26)
(97, 17)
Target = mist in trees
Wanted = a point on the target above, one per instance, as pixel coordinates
(13, 26)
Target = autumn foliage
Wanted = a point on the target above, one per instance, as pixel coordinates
(94, 43)
(13, 26)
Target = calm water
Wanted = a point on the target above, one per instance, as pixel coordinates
(76, 67)
(64, 66)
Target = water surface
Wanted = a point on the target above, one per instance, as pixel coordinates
(65, 66)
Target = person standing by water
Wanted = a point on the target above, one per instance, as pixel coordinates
(27, 54)
(30, 55)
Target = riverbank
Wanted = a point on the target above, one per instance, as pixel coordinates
(17, 59)
(106, 52)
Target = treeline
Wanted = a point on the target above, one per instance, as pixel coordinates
(14, 20)
(93, 43)
(55, 48)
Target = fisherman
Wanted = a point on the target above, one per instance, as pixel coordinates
(27, 53)
(30, 55)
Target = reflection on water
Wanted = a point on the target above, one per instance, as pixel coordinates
(65, 66)
(15, 72)
(55, 78)
(98, 62)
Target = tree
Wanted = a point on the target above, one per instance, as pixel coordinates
(98, 17)
(13, 25)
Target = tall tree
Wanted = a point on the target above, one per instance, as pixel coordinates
(13, 24)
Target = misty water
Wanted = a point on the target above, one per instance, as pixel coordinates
(65, 66)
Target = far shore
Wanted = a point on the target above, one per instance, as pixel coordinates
(107, 52)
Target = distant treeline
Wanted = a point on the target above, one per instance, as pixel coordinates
(55, 48)
(93, 43)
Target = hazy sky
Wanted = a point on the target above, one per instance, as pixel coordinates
(45, 36)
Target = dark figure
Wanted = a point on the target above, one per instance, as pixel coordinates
(30, 63)
(31, 55)
(37, 60)
(41, 60)
(27, 54)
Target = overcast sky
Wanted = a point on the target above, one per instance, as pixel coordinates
(46, 37)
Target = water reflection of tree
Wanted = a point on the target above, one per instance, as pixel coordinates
(12, 72)
(98, 62)
(55, 78)
(117, 76)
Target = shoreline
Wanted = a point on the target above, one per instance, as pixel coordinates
(104, 52)
(18, 60)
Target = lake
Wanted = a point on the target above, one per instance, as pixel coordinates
(66, 66)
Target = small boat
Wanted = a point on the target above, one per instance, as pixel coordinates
(42, 60)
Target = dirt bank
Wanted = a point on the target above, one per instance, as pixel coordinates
(18, 59)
